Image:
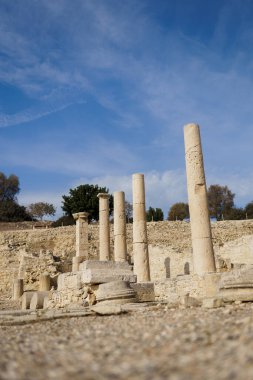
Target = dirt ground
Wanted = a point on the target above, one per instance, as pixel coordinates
(147, 343)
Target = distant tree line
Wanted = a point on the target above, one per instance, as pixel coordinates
(84, 198)
(221, 206)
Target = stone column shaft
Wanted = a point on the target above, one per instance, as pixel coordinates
(44, 282)
(104, 227)
(119, 215)
(203, 254)
(81, 233)
(140, 240)
(82, 245)
(18, 288)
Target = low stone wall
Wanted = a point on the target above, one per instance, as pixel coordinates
(51, 250)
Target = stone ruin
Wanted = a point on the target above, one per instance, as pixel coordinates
(108, 282)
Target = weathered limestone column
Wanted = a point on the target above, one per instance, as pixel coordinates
(82, 244)
(119, 216)
(104, 227)
(140, 240)
(18, 288)
(44, 282)
(203, 254)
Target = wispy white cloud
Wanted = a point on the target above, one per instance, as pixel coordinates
(32, 114)
(151, 78)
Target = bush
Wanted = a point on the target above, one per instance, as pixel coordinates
(66, 220)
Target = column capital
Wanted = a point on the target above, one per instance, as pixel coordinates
(80, 215)
(103, 195)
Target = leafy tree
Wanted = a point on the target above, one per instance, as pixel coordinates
(11, 211)
(65, 220)
(178, 211)
(154, 215)
(249, 210)
(40, 209)
(9, 187)
(220, 200)
(84, 198)
(235, 213)
(129, 211)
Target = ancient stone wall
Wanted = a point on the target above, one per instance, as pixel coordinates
(33, 252)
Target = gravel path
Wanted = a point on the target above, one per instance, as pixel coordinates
(150, 343)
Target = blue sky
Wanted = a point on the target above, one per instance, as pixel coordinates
(92, 91)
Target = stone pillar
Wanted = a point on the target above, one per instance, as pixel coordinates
(203, 254)
(119, 216)
(82, 246)
(104, 227)
(140, 241)
(18, 288)
(44, 282)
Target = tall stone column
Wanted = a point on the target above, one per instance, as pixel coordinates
(104, 227)
(203, 254)
(82, 246)
(140, 240)
(119, 216)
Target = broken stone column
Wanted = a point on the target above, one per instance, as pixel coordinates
(140, 240)
(104, 227)
(203, 254)
(44, 282)
(18, 288)
(119, 215)
(37, 300)
(26, 300)
(82, 246)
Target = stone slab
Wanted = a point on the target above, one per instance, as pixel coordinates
(102, 276)
(106, 265)
(96, 272)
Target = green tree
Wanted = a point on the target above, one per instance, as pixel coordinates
(249, 210)
(9, 187)
(235, 213)
(84, 198)
(65, 220)
(129, 211)
(40, 209)
(220, 201)
(178, 211)
(154, 214)
(11, 211)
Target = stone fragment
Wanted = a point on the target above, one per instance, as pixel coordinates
(102, 309)
(203, 254)
(189, 301)
(237, 285)
(117, 292)
(212, 303)
(140, 240)
(104, 227)
(144, 291)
